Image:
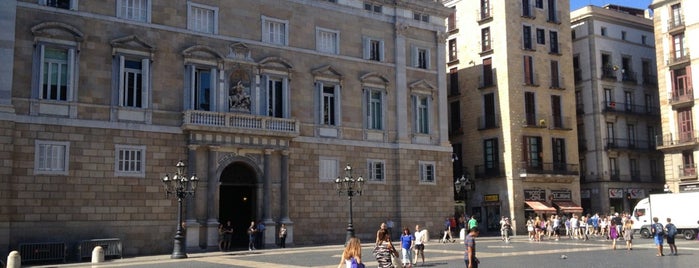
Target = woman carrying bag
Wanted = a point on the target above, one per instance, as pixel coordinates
(384, 251)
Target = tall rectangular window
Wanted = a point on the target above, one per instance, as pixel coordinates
(613, 169)
(490, 119)
(485, 9)
(202, 18)
(422, 114)
(328, 110)
(633, 170)
(527, 37)
(631, 135)
(532, 150)
(491, 156)
(678, 46)
(487, 80)
(327, 41)
(51, 157)
(132, 85)
(452, 50)
(540, 36)
(453, 81)
(485, 39)
(529, 70)
(56, 72)
(527, 9)
(553, 42)
(375, 170)
(275, 97)
(130, 160)
(676, 16)
(530, 108)
(555, 83)
(558, 147)
(685, 125)
(455, 117)
(328, 168)
(374, 109)
(556, 111)
(681, 84)
(274, 31)
(202, 89)
(422, 58)
(137, 10)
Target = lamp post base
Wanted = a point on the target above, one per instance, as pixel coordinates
(350, 232)
(178, 249)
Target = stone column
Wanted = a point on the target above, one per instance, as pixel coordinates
(192, 225)
(401, 84)
(271, 228)
(211, 204)
(442, 89)
(284, 198)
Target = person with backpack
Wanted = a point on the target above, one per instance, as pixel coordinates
(658, 232)
(671, 231)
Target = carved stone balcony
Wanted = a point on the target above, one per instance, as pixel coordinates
(240, 123)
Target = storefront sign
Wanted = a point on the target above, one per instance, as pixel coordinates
(535, 195)
(616, 193)
(491, 198)
(635, 193)
(561, 195)
(585, 193)
(689, 188)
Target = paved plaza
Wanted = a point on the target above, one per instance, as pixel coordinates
(491, 251)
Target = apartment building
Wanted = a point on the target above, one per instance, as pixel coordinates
(675, 27)
(266, 101)
(616, 93)
(510, 81)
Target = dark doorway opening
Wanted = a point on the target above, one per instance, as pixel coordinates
(237, 201)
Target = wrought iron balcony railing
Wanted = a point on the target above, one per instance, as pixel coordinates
(536, 167)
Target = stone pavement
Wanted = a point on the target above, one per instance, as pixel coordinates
(490, 250)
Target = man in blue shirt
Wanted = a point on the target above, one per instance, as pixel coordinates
(470, 254)
(658, 233)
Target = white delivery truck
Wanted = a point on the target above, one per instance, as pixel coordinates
(678, 206)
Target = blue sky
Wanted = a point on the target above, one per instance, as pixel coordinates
(642, 4)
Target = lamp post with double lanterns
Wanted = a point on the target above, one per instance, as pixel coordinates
(181, 187)
(349, 186)
(464, 185)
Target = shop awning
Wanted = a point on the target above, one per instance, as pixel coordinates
(568, 206)
(539, 206)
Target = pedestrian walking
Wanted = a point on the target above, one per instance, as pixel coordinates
(420, 239)
(505, 226)
(282, 236)
(658, 232)
(470, 255)
(352, 255)
(447, 232)
(407, 242)
(472, 223)
(671, 231)
(628, 233)
(613, 235)
(260, 239)
(381, 227)
(384, 250)
(252, 230)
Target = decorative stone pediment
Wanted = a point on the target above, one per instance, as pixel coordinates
(422, 85)
(328, 72)
(57, 30)
(239, 51)
(275, 63)
(201, 52)
(374, 78)
(131, 42)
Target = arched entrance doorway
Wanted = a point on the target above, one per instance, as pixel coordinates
(237, 200)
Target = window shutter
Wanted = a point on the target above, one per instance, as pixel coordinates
(41, 71)
(414, 59)
(145, 83)
(427, 59)
(213, 91)
(319, 102)
(338, 106)
(366, 43)
(286, 113)
(71, 73)
(527, 70)
(190, 90)
(415, 111)
(265, 95)
(121, 80)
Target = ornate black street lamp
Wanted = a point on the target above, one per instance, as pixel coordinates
(464, 185)
(347, 186)
(181, 187)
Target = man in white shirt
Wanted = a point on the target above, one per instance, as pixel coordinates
(420, 239)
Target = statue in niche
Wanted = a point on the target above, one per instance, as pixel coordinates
(238, 98)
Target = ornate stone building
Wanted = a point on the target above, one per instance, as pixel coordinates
(265, 101)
